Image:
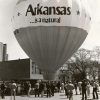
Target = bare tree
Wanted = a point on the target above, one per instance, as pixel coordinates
(80, 62)
(96, 51)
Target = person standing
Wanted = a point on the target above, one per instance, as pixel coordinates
(80, 87)
(52, 88)
(70, 88)
(36, 90)
(13, 89)
(3, 87)
(48, 86)
(58, 85)
(95, 88)
(41, 88)
(62, 87)
(75, 86)
(29, 88)
(84, 88)
(88, 89)
(66, 90)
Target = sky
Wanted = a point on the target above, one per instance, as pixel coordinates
(15, 51)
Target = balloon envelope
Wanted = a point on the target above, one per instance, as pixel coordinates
(50, 31)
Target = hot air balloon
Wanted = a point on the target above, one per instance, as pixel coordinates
(50, 31)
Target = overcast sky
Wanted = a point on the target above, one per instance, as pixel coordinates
(15, 51)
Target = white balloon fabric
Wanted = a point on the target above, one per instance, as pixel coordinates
(50, 31)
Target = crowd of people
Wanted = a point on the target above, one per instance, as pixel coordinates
(49, 88)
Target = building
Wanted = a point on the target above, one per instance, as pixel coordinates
(63, 74)
(3, 52)
(21, 69)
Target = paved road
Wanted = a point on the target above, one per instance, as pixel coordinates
(58, 96)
